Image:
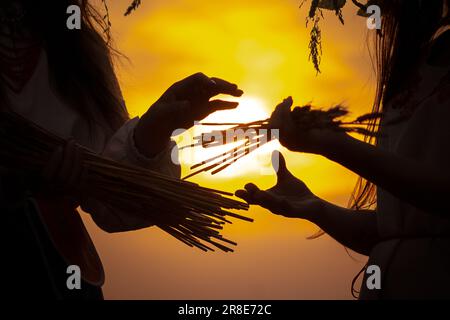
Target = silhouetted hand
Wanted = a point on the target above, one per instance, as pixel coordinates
(185, 102)
(195, 92)
(296, 138)
(290, 197)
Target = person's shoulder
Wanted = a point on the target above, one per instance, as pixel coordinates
(440, 50)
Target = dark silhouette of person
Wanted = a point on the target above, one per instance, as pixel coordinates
(64, 81)
(403, 224)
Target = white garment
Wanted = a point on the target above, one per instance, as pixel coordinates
(415, 257)
(39, 103)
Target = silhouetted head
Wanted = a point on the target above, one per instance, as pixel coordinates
(80, 62)
(408, 27)
(407, 32)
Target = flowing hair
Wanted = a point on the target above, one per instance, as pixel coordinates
(80, 62)
(407, 29)
(408, 26)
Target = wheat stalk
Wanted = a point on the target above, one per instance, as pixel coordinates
(305, 119)
(187, 211)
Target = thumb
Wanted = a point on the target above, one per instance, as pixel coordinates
(279, 165)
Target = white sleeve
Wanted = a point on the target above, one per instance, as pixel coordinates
(121, 147)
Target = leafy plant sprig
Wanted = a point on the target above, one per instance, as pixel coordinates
(132, 7)
(315, 15)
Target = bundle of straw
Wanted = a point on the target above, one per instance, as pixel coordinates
(305, 118)
(187, 211)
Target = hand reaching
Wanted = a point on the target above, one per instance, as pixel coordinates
(290, 197)
(185, 102)
(299, 139)
(195, 93)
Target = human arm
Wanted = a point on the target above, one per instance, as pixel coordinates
(290, 197)
(415, 180)
(185, 102)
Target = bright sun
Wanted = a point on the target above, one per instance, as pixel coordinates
(249, 109)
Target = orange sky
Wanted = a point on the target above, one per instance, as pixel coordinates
(262, 46)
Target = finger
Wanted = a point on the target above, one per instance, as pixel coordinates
(67, 162)
(195, 79)
(251, 188)
(199, 82)
(258, 197)
(285, 105)
(216, 105)
(52, 167)
(243, 194)
(284, 109)
(276, 119)
(279, 165)
(196, 84)
(288, 103)
(224, 87)
(286, 123)
(240, 193)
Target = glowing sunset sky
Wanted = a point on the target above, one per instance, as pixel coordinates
(262, 46)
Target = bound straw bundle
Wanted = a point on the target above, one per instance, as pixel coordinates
(191, 213)
(305, 118)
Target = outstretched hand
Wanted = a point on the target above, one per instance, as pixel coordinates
(296, 138)
(185, 102)
(194, 93)
(290, 197)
